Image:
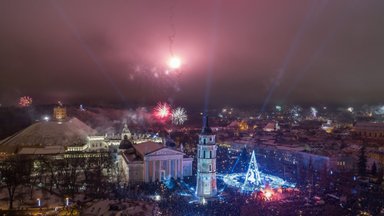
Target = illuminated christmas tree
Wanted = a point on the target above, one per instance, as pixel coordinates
(252, 178)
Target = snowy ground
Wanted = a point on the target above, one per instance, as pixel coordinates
(119, 207)
(23, 198)
(51, 202)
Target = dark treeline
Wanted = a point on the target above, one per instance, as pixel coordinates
(91, 173)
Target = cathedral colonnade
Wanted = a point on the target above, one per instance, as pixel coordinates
(162, 167)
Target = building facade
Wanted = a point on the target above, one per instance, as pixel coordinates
(369, 130)
(150, 162)
(206, 186)
(59, 113)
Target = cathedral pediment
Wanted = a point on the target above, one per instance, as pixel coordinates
(165, 151)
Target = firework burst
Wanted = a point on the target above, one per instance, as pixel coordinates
(179, 116)
(25, 101)
(162, 111)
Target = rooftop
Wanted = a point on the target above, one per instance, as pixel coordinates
(147, 147)
(41, 134)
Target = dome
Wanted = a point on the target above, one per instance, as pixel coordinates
(42, 134)
(125, 143)
(170, 144)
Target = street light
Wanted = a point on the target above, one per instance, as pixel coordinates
(157, 197)
(46, 118)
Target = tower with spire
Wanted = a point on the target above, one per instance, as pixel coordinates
(206, 163)
(126, 133)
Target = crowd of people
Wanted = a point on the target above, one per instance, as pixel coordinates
(310, 197)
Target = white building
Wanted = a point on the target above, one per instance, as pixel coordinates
(150, 161)
(126, 132)
(206, 186)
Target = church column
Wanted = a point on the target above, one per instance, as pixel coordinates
(174, 169)
(181, 168)
(146, 177)
(169, 169)
(180, 176)
(178, 168)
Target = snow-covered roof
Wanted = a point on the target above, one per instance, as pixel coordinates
(270, 126)
(42, 151)
(147, 147)
(41, 134)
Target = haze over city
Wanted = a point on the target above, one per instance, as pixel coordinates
(96, 51)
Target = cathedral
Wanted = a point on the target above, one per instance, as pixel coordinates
(151, 161)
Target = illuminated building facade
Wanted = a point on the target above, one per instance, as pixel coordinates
(369, 130)
(150, 162)
(206, 186)
(59, 113)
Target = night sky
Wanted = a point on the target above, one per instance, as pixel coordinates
(254, 51)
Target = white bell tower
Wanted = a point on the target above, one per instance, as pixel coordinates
(206, 186)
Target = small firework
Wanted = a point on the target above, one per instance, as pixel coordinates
(179, 116)
(25, 101)
(162, 111)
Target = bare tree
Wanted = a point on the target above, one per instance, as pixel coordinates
(374, 169)
(67, 175)
(15, 171)
(97, 172)
(362, 163)
(46, 171)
